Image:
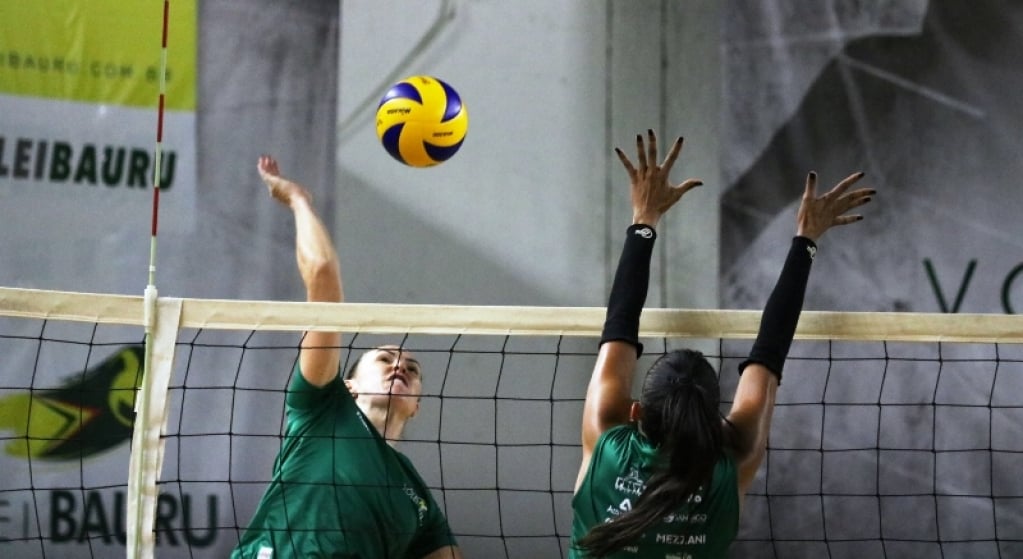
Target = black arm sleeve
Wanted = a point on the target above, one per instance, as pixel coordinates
(628, 292)
(781, 314)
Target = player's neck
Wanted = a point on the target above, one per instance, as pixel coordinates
(389, 424)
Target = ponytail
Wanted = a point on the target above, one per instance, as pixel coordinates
(681, 416)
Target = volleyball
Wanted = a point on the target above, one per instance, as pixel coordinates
(421, 121)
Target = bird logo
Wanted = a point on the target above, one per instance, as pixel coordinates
(89, 413)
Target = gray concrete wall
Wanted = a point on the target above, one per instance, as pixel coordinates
(532, 209)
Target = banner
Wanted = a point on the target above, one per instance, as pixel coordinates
(80, 84)
(79, 95)
(919, 96)
(923, 98)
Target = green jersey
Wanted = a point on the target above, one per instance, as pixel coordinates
(339, 490)
(619, 468)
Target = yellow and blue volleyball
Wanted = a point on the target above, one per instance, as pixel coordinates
(421, 121)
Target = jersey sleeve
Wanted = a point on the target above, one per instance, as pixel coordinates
(434, 532)
(302, 396)
(612, 442)
(610, 446)
(619, 436)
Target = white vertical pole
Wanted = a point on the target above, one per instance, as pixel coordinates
(163, 319)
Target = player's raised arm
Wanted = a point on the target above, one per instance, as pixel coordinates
(319, 267)
(609, 396)
(750, 415)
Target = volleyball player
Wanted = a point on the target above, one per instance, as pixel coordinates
(666, 476)
(339, 488)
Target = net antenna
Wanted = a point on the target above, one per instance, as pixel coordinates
(151, 401)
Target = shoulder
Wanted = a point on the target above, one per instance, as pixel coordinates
(621, 443)
(724, 485)
(619, 434)
(732, 437)
(406, 462)
(298, 382)
(727, 464)
(303, 395)
(410, 469)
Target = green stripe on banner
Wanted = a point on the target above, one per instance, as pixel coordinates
(98, 51)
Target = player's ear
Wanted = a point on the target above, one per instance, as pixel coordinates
(635, 412)
(351, 388)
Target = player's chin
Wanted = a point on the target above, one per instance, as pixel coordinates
(400, 393)
(404, 404)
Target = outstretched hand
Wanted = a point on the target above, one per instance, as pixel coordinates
(283, 190)
(817, 214)
(652, 194)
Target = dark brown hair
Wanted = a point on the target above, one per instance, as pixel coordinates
(680, 402)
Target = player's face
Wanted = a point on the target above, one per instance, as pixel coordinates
(390, 371)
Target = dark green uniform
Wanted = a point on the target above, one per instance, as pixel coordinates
(618, 471)
(339, 490)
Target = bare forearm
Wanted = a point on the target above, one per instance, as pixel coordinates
(449, 552)
(750, 418)
(317, 259)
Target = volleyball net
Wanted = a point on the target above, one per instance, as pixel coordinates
(895, 435)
